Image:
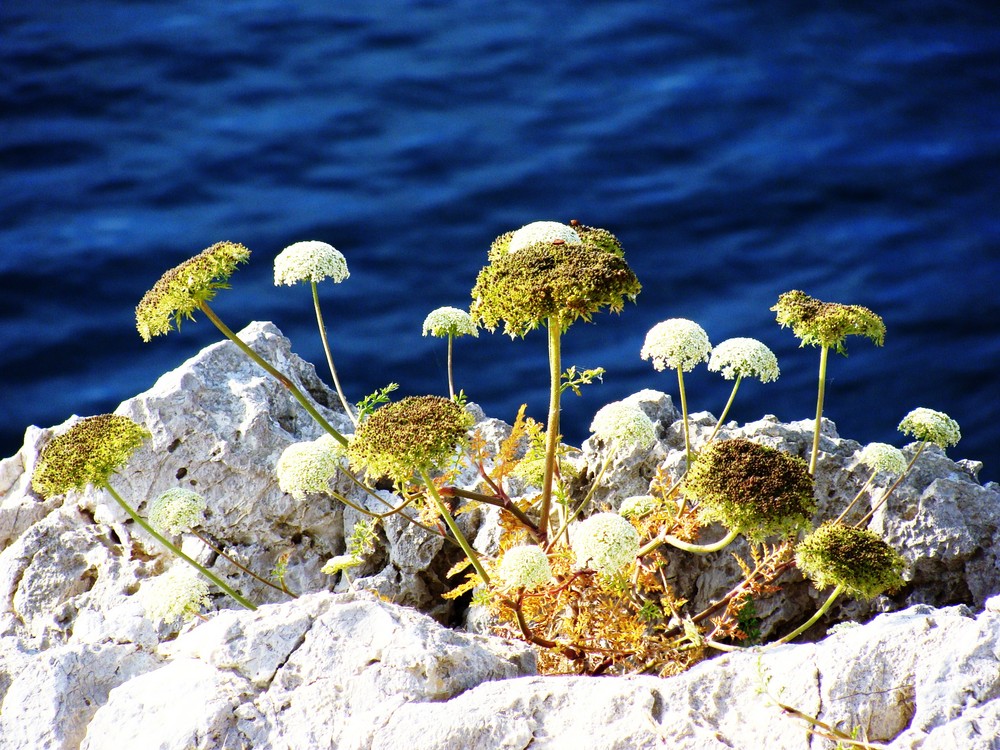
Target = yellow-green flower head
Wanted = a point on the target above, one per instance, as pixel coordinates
(310, 260)
(624, 425)
(752, 489)
(178, 593)
(182, 289)
(744, 358)
(676, 343)
(177, 511)
(933, 426)
(857, 559)
(419, 433)
(449, 321)
(89, 452)
(827, 324)
(605, 542)
(524, 567)
(883, 457)
(638, 506)
(307, 467)
(338, 563)
(542, 231)
(543, 281)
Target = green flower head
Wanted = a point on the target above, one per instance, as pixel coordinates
(524, 567)
(623, 425)
(752, 489)
(307, 467)
(449, 321)
(419, 433)
(339, 563)
(827, 324)
(89, 452)
(177, 511)
(857, 559)
(933, 426)
(744, 358)
(543, 281)
(605, 542)
(178, 593)
(638, 506)
(676, 343)
(309, 261)
(883, 457)
(183, 289)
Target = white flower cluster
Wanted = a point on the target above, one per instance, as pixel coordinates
(177, 511)
(883, 457)
(743, 357)
(605, 542)
(637, 506)
(309, 261)
(524, 567)
(449, 321)
(624, 425)
(308, 467)
(933, 426)
(676, 343)
(180, 592)
(542, 231)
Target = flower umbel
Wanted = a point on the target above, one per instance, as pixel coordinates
(449, 321)
(743, 357)
(676, 343)
(310, 260)
(89, 452)
(883, 457)
(184, 288)
(307, 467)
(637, 506)
(542, 231)
(624, 425)
(827, 324)
(417, 433)
(751, 488)
(524, 567)
(932, 426)
(180, 592)
(857, 559)
(605, 542)
(177, 511)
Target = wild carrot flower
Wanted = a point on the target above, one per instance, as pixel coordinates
(310, 260)
(882, 457)
(637, 506)
(932, 427)
(858, 560)
(178, 593)
(676, 343)
(307, 467)
(542, 231)
(605, 542)
(449, 321)
(524, 567)
(185, 288)
(177, 511)
(88, 453)
(623, 425)
(744, 357)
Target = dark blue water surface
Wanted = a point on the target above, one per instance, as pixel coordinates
(739, 150)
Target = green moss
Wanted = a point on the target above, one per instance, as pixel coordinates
(753, 489)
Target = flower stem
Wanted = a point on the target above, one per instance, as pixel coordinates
(329, 356)
(451, 382)
(823, 356)
(217, 550)
(857, 497)
(176, 550)
(881, 502)
(813, 620)
(459, 536)
(684, 414)
(729, 403)
(552, 425)
(273, 372)
(698, 549)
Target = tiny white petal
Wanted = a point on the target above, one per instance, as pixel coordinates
(308, 467)
(637, 506)
(180, 592)
(932, 426)
(883, 457)
(177, 511)
(624, 425)
(526, 566)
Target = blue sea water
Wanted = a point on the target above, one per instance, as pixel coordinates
(738, 150)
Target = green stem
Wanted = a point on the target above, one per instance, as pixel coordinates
(684, 414)
(552, 425)
(729, 403)
(329, 356)
(451, 382)
(823, 356)
(857, 497)
(276, 374)
(459, 536)
(881, 502)
(208, 543)
(814, 619)
(698, 549)
(583, 503)
(176, 550)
